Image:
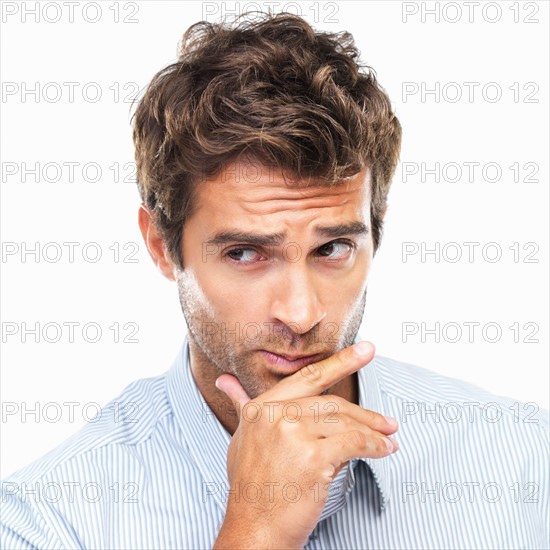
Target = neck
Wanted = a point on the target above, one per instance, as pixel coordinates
(205, 374)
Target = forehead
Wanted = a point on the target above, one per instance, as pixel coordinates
(250, 191)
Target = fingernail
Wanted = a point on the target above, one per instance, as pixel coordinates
(392, 445)
(391, 421)
(363, 348)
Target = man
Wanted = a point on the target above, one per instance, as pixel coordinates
(264, 158)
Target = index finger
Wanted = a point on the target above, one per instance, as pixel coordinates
(315, 378)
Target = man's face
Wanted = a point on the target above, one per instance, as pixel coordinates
(301, 294)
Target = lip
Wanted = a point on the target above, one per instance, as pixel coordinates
(289, 363)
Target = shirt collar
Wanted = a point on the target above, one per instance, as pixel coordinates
(208, 441)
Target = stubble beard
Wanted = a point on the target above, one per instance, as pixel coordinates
(222, 351)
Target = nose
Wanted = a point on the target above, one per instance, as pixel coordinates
(295, 299)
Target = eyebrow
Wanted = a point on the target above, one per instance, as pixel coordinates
(276, 239)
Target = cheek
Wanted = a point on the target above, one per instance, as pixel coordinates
(199, 292)
(355, 273)
(347, 292)
(228, 301)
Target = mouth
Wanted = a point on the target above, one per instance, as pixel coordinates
(288, 364)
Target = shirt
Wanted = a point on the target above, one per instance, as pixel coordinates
(471, 472)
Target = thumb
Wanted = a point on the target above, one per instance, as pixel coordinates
(230, 385)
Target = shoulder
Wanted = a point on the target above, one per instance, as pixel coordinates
(104, 451)
(128, 420)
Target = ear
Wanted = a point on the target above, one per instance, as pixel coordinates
(155, 244)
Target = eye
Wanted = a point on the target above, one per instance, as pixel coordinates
(243, 255)
(336, 250)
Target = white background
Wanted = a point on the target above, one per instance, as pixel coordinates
(394, 39)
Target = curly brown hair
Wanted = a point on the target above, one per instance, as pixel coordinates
(272, 89)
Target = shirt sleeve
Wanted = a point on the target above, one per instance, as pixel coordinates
(23, 525)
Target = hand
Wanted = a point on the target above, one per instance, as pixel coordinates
(288, 447)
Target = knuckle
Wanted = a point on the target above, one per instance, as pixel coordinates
(333, 409)
(311, 455)
(376, 419)
(359, 440)
(312, 373)
(289, 429)
(342, 419)
(344, 357)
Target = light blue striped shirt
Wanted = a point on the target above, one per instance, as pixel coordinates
(472, 471)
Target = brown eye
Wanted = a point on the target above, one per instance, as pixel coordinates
(336, 250)
(243, 255)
